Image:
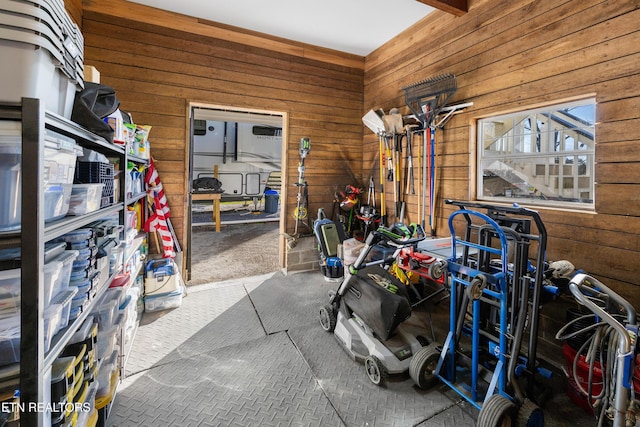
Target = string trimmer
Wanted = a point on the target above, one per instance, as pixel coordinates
(302, 208)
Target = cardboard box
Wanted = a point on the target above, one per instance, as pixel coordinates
(91, 74)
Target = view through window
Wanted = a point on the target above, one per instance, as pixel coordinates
(543, 156)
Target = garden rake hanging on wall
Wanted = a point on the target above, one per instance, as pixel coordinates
(426, 99)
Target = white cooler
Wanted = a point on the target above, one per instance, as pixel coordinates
(162, 277)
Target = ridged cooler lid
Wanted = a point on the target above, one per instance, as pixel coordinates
(31, 38)
(23, 29)
(41, 14)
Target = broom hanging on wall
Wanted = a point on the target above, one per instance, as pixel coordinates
(426, 99)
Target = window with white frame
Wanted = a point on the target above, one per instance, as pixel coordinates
(543, 156)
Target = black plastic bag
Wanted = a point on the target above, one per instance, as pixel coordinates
(92, 105)
(207, 183)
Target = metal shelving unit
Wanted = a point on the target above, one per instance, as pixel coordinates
(34, 362)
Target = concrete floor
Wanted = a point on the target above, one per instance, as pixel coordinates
(238, 250)
(250, 352)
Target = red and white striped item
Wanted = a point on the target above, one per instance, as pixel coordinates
(159, 211)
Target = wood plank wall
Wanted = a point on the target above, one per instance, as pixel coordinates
(74, 9)
(507, 55)
(510, 55)
(157, 70)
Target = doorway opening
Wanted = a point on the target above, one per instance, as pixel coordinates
(236, 168)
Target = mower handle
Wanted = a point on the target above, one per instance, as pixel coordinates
(387, 234)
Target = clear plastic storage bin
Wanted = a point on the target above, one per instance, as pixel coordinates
(52, 317)
(163, 301)
(9, 293)
(67, 258)
(85, 198)
(9, 340)
(52, 272)
(106, 342)
(60, 155)
(10, 287)
(104, 314)
(64, 299)
(57, 198)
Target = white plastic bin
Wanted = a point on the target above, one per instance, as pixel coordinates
(29, 69)
(42, 52)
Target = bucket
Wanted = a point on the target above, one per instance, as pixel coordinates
(271, 201)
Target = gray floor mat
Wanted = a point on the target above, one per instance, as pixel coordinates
(358, 401)
(207, 319)
(454, 416)
(261, 382)
(252, 353)
(284, 302)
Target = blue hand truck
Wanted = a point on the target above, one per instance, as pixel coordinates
(494, 305)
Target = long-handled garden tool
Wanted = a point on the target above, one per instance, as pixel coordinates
(395, 127)
(426, 99)
(410, 185)
(368, 214)
(432, 181)
(302, 207)
(373, 120)
(398, 174)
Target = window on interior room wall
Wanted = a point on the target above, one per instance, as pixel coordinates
(541, 157)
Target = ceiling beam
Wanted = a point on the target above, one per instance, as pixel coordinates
(455, 7)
